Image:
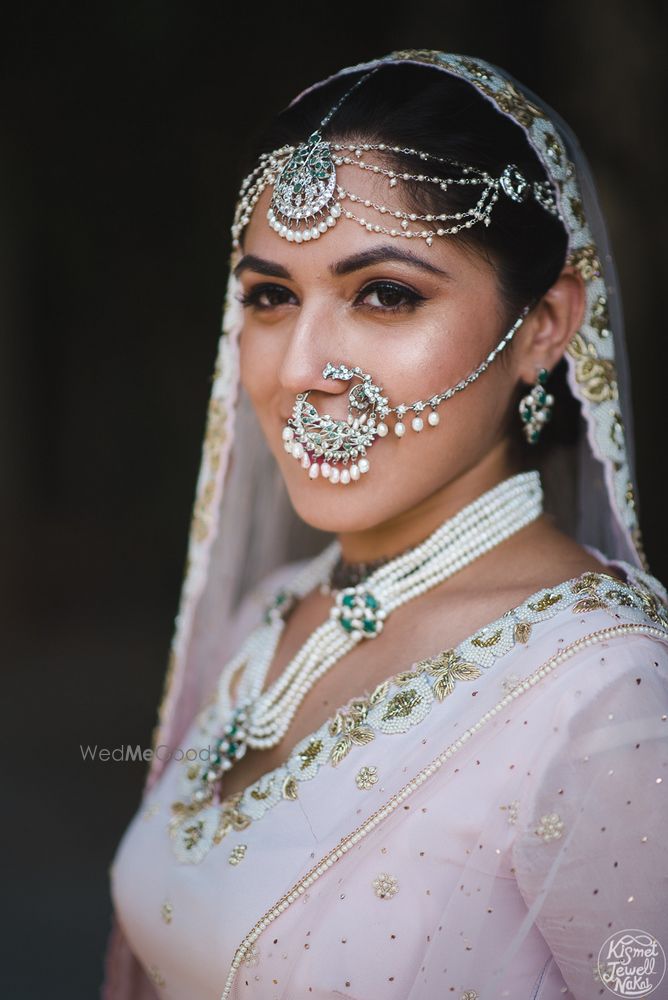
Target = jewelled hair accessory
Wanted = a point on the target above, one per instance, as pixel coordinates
(336, 449)
(307, 199)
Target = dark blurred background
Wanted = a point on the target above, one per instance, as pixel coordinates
(120, 128)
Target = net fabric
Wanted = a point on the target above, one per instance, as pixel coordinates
(245, 538)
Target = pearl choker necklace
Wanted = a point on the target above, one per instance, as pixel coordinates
(262, 718)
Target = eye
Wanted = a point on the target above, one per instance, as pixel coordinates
(392, 297)
(276, 294)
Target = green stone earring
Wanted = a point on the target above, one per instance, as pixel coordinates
(536, 408)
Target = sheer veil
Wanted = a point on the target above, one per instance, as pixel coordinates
(244, 529)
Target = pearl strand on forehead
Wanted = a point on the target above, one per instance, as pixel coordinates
(262, 718)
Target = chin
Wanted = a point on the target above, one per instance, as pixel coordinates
(334, 508)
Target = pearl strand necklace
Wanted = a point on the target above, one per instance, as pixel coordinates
(262, 718)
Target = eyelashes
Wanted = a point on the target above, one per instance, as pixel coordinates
(410, 300)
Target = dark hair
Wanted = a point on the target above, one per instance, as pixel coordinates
(413, 106)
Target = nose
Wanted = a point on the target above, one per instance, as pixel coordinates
(314, 341)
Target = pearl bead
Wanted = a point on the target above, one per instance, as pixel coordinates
(306, 461)
(417, 423)
(334, 475)
(297, 449)
(433, 419)
(325, 469)
(382, 429)
(354, 472)
(288, 433)
(314, 471)
(345, 475)
(399, 429)
(363, 465)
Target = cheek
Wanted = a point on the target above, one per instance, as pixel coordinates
(256, 368)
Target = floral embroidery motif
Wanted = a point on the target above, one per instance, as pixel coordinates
(596, 376)
(194, 828)
(366, 777)
(447, 668)
(513, 808)
(403, 701)
(550, 827)
(585, 260)
(470, 995)
(522, 631)
(166, 912)
(385, 886)
(237, 854)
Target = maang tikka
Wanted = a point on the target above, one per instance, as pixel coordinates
(306, 203)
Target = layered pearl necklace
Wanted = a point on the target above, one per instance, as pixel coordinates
(262, 718)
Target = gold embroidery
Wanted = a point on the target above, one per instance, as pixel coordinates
(401, 704)
(600, 317)
(470, 995)
(550, 826)
(589, 604)
(548, 600)
(585, 260)
(522, 631)
(578, 211)
(596, 376)
(385, 886)
(230, 817)
(166, 912)
(447, 668)
(406, 676)
(474, 69)
(366, 777)
(553, 148)
(237, 854)
(653, 608)
(309, 754)
(621, 597)
(193, 834)
(260, 794)
(486, 643)
(349, 725)
(290, 788)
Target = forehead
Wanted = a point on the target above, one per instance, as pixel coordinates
(347, 236)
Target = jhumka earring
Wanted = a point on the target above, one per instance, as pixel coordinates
(536, 407)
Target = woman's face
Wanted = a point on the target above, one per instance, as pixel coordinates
(417, 325)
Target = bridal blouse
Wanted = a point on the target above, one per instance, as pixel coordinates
(477, 827)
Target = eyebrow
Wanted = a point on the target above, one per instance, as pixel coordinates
(375, 255)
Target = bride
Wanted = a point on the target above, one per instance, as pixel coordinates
(413, 731)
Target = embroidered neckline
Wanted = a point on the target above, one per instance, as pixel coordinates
(401, 702)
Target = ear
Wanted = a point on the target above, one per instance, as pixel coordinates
(551, 324)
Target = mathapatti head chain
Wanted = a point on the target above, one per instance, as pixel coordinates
(306, 203)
